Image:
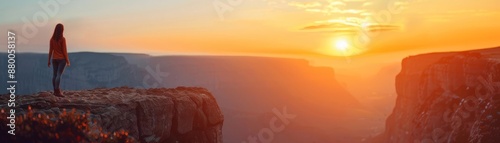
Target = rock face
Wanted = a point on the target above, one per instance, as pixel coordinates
(158, 115)
(447, 97)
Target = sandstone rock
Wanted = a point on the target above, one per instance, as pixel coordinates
(149, 115)
(451, 97)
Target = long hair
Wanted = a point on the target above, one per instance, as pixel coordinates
(58, 32)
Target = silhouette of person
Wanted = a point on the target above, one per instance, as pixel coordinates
(59, 55)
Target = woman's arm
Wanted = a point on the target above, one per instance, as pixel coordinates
(65, 50)
(51, 49)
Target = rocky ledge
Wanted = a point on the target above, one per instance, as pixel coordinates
(446, 97)
(161, 115)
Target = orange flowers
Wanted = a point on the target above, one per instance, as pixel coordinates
(72, 127)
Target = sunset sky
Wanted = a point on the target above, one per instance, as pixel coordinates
(258, 27)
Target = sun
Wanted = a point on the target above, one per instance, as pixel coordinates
(341, 44)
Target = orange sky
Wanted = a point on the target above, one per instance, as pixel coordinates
(262, 27)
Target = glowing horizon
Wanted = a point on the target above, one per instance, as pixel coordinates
(260, 27)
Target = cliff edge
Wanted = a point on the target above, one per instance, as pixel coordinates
(447, 97)
(160, 115)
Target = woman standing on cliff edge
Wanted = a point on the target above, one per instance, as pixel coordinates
(59, 55)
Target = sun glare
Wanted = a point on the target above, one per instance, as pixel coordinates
(341, 45)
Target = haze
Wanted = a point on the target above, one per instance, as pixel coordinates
(363, 41)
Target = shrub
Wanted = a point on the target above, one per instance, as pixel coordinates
(67, 127)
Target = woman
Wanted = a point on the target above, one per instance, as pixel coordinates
(59, 55)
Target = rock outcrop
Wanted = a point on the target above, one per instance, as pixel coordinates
(160, 115)
(446, 97)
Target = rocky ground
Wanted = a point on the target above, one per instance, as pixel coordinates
(182, 114)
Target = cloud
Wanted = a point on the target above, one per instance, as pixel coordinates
(330, 7)
(337, 3)
(383, 27)
(334, 11)
(334, 26)
(345, 26)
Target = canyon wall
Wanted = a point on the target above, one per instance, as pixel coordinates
(447, 97)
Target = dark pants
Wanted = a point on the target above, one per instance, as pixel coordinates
(58, 65)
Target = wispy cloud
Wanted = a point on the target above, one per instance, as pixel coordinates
(350, 25)
(335, 10)
(337, 3)
(326, 7)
